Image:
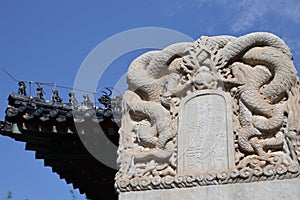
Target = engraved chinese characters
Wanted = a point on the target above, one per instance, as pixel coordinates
(205, 138)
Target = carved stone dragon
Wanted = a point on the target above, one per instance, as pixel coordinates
(257, 70)
(266, 74)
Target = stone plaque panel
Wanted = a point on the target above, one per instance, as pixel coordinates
(205, 138)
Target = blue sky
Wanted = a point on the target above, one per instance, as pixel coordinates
(48, 41)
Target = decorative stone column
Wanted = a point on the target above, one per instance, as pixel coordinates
(217, 118)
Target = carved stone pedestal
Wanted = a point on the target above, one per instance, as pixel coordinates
(275, 190)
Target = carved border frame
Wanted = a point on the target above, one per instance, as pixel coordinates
(229, 131)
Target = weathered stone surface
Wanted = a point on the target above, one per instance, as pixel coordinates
(220, 110)
(205, 137)
(276, 190)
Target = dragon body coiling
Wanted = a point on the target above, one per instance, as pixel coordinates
(145, 78)
(268, 80)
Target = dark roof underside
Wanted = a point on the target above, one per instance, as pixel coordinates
(62, 149)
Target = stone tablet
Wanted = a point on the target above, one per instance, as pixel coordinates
(220, 110)
(205, 137)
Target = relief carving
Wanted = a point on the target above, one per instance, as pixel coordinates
(251, 80)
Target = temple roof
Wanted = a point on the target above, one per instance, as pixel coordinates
(49, 129)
